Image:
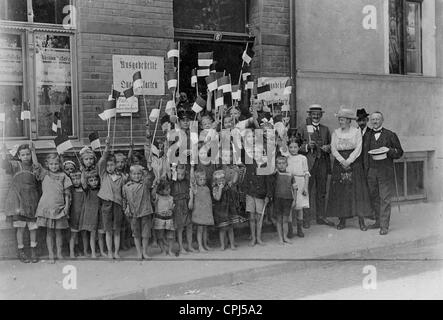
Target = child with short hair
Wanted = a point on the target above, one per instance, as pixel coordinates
(138, 209)
(121, 167)
(87, 163)
(180, 191)
(53, 207)
(69, 167)
(201, 205)
(23, 196)
(298, 166)
(110, 193)
(224, 209)
(283, 196)
(76, 209)
(90, 220)
(163, 218)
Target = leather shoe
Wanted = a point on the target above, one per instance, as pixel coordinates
(306, 224)
(323, 221)
(341, 225)
(361, 222)
(383, 231)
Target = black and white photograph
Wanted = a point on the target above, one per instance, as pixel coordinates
(214, 154)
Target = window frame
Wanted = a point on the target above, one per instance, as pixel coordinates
(403, 55)
(29, 29)
(412, 157)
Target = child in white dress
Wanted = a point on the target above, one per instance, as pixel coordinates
(298, 167)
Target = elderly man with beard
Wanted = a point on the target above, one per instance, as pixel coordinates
(317, 148)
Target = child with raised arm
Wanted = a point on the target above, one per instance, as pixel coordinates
(111, 195)
(23, 196)
(138, 209)
(53, 207)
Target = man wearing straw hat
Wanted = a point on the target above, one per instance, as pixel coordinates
(380, 150)
(317, 148)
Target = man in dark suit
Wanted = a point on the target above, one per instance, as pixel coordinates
(317, 148)
(380, 170)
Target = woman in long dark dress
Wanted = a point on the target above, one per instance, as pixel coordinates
(349, 195)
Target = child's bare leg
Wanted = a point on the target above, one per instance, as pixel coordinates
(170, 243)
(117, 244)
(221, 234)
(137, 241)
(50, 244)
(92, 237)
(59, 243)
(231, 237)
(252, 227)
(280, 229)
(85, 242)
(145, 245)
(205, 238)
(180, 240)
(19, 235)
(259, 228)
(189, 238)
(285, 229)
(101, 244)
(109, 244)
(72, 245)
(160, 240)
(200, 238)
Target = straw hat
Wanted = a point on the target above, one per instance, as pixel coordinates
(315, 108)
(379, 154)
(345, 113)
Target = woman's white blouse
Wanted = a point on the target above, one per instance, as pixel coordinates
(350, 140)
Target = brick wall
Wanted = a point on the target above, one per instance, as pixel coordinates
(270, 25)
(128, 27)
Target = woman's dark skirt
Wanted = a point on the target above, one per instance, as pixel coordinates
(349, 194)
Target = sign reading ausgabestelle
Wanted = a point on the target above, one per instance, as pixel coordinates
(151, 68)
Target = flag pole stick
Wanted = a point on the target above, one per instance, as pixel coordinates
(30, 121)
(242, 65)
(113, 132)
(130, 127)
(146, 109)
(178, 68)
(109, 127)
(158, 118)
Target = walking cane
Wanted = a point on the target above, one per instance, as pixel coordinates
(396, 188)
(260, 223)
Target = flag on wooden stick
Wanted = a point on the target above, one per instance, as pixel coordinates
(224, 84)
(248, 54)
(57, 123)
(212, 67)
(205, 59)
(193, 77)
(62, 142)
(211, 81)
(128, 93)
(236, 92)
(137, 81)
(115, 94)
(203, 72)
(109, 110)
(172, 80)
(263, 92)
(246, 72)
(250, 83)
(219, 98)
(94, 140)
(288, 87)
(199, 104)
(173, 51)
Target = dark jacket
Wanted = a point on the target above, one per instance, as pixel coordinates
(387, 139)
(322, 138)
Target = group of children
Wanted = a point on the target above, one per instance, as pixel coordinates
(159, 201)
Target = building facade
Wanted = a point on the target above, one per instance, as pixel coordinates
(387, 55)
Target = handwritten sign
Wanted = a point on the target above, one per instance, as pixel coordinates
(277, 85)
(151, 68)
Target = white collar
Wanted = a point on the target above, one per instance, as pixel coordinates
(378, 130)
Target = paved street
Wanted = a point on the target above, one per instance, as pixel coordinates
(409, 273)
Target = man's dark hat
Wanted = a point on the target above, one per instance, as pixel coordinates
(361, 114)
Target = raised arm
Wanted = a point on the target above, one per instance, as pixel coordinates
(101, 165)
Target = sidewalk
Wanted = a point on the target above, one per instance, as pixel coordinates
(416, 224)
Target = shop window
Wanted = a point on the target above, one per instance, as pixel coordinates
(11, 83)
(410, 171)
(49, 11)
(53, 81)
(214, 15)
(47, 81)
(405, 41)
(13, 10)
